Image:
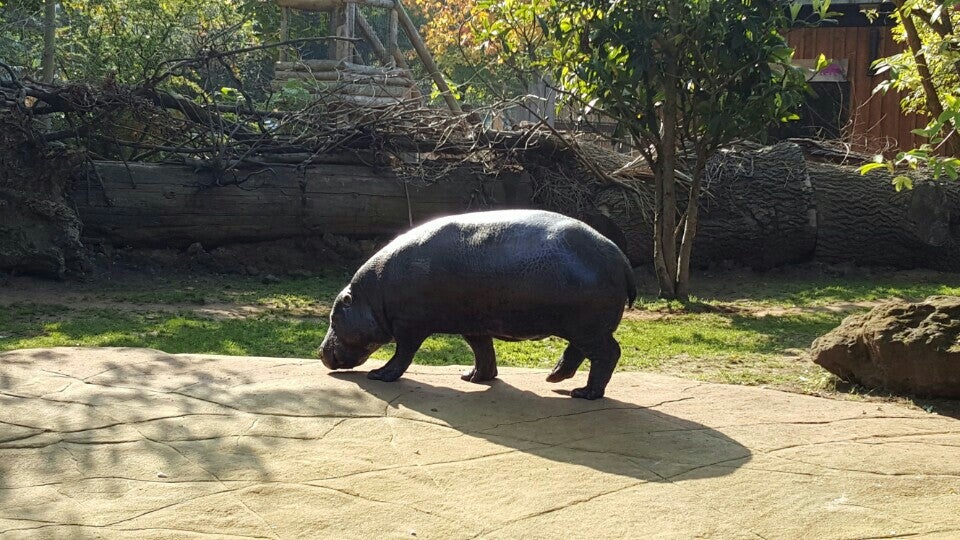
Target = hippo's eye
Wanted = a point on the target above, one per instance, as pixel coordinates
(346, 300)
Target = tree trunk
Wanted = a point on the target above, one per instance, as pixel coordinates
(690, 223)
(150, 204)
(934, 107)
(864, 220)
(757, 210)
(48, 64)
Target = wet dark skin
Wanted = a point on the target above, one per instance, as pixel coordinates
(510, 275)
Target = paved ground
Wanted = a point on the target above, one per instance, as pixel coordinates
(133, 443)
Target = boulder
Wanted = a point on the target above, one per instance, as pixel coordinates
(910, 348)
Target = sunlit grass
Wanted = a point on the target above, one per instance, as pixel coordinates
(718, 336)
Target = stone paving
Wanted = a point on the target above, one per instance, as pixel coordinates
(135, 443)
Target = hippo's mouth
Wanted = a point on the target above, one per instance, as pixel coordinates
(336, 356)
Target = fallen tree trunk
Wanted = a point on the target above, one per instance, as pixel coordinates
(864, 220)
(758, 211)
(146, 204)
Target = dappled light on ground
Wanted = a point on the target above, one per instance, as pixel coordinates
(106, 442)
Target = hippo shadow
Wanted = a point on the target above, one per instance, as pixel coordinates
(606, 435)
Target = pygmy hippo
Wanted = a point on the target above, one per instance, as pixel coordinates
(509, 274)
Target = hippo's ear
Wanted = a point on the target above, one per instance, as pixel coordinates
(347, 299)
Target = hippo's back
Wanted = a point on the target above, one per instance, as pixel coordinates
(501, 269)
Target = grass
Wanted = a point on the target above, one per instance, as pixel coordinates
(726, 342)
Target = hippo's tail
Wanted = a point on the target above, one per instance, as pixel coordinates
(631, 286)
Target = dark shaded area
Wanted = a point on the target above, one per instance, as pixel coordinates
(39, 231)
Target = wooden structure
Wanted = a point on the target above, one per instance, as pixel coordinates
(343, 73)
(872, 122)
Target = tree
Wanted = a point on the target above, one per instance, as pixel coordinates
(927, 72)
(681, 77)
(48, 63)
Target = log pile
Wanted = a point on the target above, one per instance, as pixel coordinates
(354, 84)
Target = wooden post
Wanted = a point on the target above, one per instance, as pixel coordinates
(284, 31)
(392, 46)
(426, 57)
(333, 24)
(371, 36)
(348, 31)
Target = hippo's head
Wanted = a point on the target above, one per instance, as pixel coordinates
(354, 333)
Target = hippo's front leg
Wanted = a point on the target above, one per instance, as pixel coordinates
(484, 359)
(407, 347)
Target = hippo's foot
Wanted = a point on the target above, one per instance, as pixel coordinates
(478, 376)
(587, 393)
(558, 375)
(567, 365)
(385, 374)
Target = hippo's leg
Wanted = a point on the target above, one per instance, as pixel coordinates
(484, 359)
(603, 355)
(567, 365)
(406, 347)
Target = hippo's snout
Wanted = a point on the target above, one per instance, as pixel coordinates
(338, 355)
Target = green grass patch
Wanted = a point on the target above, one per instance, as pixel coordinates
(717, 337)
(708, 346)
(27, 327)
(288, 293)
(820, 290)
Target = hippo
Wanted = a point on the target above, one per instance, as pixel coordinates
(506, 274)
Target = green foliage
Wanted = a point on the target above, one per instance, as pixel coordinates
(940, 50)
(128, 40)
(726, 60)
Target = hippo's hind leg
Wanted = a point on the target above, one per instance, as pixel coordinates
(407, 346)
(603, 354)
(484, 359)
(567, 365)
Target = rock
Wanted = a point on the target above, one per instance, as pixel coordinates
(270, 278)
(911, 348)
(195, 249)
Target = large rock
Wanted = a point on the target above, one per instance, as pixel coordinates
(911, 348)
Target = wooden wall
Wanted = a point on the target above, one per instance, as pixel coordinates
(875, 122)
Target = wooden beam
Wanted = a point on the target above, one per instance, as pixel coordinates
(284, 30)
(370, 35)
(392, 46)
(349, 30)
(348, 67)
(333, 23)
(340, 76)
(328, 5)
(426, 57)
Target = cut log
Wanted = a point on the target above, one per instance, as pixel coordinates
(864, 220)
(142, 204)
